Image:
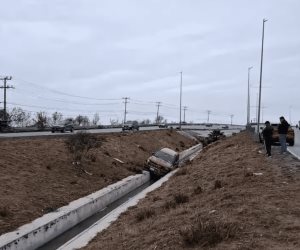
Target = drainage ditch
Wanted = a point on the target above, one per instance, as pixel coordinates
(76, 230)
(34, 235)
(71, 233)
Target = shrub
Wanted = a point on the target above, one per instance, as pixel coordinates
(207, 233)
(198, 190)
(169, 204)
(80, 144)
(144, 214)
(218, 184)
(181, 198)
(4, 212)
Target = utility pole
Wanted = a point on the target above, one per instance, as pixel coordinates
(5, 79)
(184, 109)
(180, 99)
(262, 112)
(158, 104)
(260, 78)
(125, 111)
(248, 99)
(231, 117)
(208, 113)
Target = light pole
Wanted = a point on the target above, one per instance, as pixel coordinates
(260, 78)
(248, 99)
(180, 99)
(290, 114)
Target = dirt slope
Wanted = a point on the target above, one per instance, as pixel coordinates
(231, 197)
(37, 175)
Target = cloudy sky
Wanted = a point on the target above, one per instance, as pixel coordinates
(84, 56)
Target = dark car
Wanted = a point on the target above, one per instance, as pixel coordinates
(62, 128)
(131, 126)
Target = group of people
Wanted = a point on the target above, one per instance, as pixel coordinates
(267, 132)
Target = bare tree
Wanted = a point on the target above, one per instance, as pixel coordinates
(41, 120)
(57, 117)
(159, 119)
(79, 119)
(19, 117)
(85, 121)
(96, 119)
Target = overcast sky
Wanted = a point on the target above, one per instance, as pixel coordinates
(105, 50)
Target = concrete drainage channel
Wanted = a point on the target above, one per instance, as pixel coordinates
(74, 225)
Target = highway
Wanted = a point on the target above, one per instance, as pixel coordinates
(296, 148)
(204, 131)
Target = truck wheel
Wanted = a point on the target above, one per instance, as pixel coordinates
(71, 130)
(52, 131)
(63, 130)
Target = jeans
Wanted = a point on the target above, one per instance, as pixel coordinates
(282, 140)
(268, 145)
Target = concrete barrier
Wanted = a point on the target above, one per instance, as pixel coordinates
(49, 226)
(82, 239)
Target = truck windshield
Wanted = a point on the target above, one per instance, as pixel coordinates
(164, 156)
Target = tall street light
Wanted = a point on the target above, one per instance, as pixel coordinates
(248, 99)
(180, 99)
(260, 78)
(290, 114)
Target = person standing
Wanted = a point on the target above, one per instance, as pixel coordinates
(267, 134)
(282, 131)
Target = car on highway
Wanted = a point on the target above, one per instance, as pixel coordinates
(131, 126)
(290, 137)
(63, 127)
(162, 161)
(163, 125)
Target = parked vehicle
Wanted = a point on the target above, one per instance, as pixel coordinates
(131, 126)
(62, 127)
(290, 138)
(162, 162)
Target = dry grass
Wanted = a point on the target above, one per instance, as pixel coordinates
(169, 204)
(207, 233)
(181, 198)
(181, 171)
(144, 214)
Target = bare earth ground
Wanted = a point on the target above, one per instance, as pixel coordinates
(230, 197)
(37, 175)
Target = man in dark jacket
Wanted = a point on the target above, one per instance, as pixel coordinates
(267, 134)
(283, 128)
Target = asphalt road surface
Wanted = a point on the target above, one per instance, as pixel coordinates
(114, 130)
(48, 133)
(296, 148)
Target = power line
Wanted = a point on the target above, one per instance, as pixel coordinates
(67, 94)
